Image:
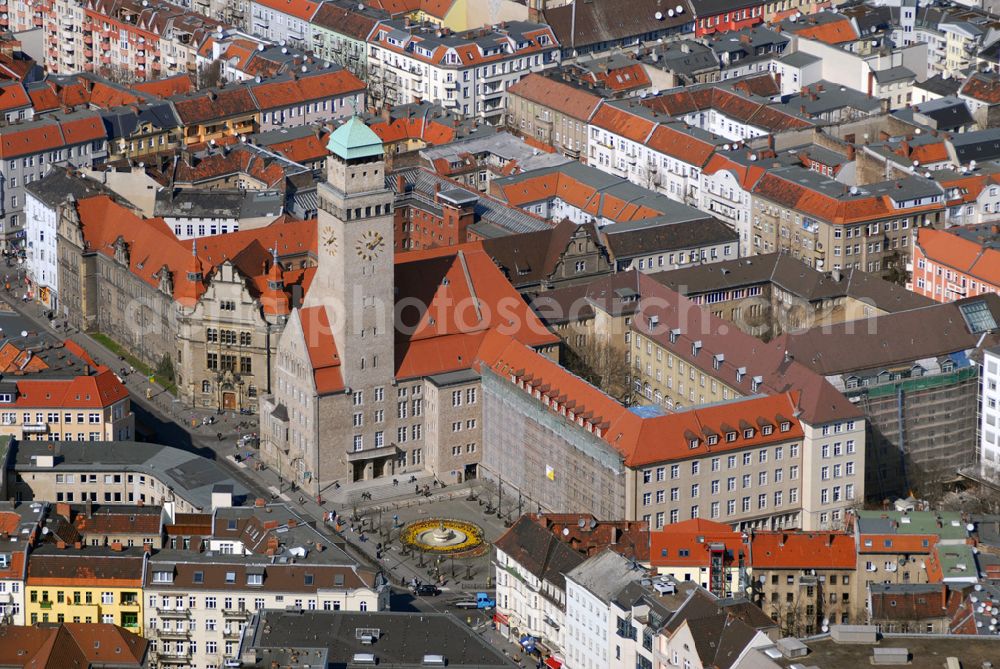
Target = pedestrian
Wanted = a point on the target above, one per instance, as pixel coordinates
(395, 483)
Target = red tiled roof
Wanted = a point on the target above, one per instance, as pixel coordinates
(624, 123)
(559, 96)
(982, 87)
(803, 550)
(303, 149)
(897, 543)
(300, 9)
(622, 78)
(82, 392)
(693, 537)
(965, 255)
(164, 88)
(318, 336)
(469, 297)
(13, 96)
(295, 90)
(430, 131)
(830, 32)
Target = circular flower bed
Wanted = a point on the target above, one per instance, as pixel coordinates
(414, 533)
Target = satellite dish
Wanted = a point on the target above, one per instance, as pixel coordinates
(972, 164)
(24, 333)
(281, 43)
(565, 532)
(971, 528)
(793, 19)
(305, 69)
(260, 47)
(658, 16)
(361, 6)
(753, 157)
(284, 50)
(679, 9)
(977, 588)
(212, 142)
(854, 190)
(916, 163)
(917, 131)
(826, 628)
(670, 13)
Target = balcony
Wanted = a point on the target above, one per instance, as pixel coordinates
(232, 633)
(173, 658)
(45, 605)
(173, 613)
(179, 635)
(239, 614)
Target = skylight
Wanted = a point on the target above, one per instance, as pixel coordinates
(978, 317)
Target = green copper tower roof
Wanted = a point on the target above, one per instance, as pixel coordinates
(354, 140)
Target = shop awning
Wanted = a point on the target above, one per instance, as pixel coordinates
(552, 663)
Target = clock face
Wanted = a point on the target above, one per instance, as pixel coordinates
(370, 245)
(329, 239)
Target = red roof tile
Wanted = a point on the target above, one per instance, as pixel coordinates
(803, 550)
(300, 9)
(318, 336)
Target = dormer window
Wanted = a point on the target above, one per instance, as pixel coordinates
(693, 443)
(755, 383)
(766, 430)
(731, 436)
(748, 433)
(6, 398)
(674, 334)
(163, 576)
(740, 373)
(785, 426)
(713, 439)
(230, 577)
(255, 579)
(717, 360)
(695, 347)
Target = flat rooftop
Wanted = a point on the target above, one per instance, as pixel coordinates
(925, 652)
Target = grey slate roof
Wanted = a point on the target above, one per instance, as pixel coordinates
(196, 203)
(60, 183)
(189, 476)
(296, 639)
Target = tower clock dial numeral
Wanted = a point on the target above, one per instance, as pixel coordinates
(329, 239)
(370, 245)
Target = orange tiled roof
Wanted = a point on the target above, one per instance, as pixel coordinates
(318, 335)
(965, 255)
(13, 96)
(153, 247)
(831, 32)
(692, 536)
(303, 149)
(164, 88)
(446, 337)
(557, 95)
(300, 9)
(430, 131)
(640, 440)
(982, 87)
(897, 543)
(623, 123)
(621, 78)
(803, 550)
(97, 391)
(300, 89)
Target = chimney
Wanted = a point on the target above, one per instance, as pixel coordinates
(387, 113)
(62, 509)
(400, 184)
(829, 540)
(61, 545)
(784, 538)
(147, 548)
(116, 546)
(89, 509)
(78, 545)
(437, 191)
(850, 152)
(259, 502)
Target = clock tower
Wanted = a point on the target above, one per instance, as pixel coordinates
(354, 276)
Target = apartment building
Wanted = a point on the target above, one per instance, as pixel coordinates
(704, 552)
(553, 111)
(531, 563)
(830, 226)
(773, 293)
(467, 72)
(989, 446)
(54, 390)
(910, 546)
(805, 581)
(21, 529)
(284, 22)
(340, 33)
(104, 472)
(956, 263)
(197, 603)
(85, 584)
(27, 152)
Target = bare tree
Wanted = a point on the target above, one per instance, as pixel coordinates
(119, 74)
(210, 74)
(598, 362)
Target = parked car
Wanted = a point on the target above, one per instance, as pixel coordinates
(427, 590)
